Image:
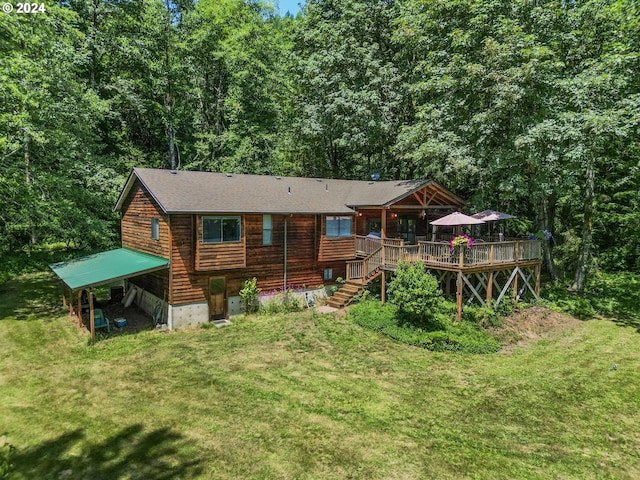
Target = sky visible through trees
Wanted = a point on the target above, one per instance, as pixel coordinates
(532, 108)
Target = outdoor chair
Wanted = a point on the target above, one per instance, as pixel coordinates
(100, 320)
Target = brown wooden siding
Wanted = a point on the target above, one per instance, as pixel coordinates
(156, 283)
(219, 256)
(186, 286)
(138, 210)
(361, 221)
(265, 262)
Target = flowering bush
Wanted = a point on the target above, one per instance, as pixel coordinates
(540, 235)
(461, 241)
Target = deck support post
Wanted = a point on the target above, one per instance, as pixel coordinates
(383, 227)
(537, 274)
(459, 297)
(383, 290)
(490, 289)
(515, 287)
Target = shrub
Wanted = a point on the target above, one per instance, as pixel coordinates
(481, 316)
(249, 294)
(6, 450)
(415, 291)
(373, 315)
(441, 335)
(281, 302)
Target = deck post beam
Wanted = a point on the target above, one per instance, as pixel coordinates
(459, 284)
(383, 227)
(490, 288)
(383, 289)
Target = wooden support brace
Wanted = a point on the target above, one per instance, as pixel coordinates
(473, 290)
(528, 285)
(506, 286)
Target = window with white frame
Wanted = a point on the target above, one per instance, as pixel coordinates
(155, 228)
(267, 230)
(338, 226)
(221, 229)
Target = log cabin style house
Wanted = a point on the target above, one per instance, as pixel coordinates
(217, 230)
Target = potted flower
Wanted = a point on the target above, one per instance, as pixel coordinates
(460, 241)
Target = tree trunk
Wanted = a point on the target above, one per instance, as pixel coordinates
(546, 219)
(27, 168)
(587, 229)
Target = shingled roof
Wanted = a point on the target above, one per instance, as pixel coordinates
(207, 192)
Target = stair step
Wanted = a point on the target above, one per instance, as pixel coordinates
(350, 288)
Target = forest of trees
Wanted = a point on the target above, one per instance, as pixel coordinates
(531, 107)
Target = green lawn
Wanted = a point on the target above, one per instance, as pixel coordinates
(308, 396)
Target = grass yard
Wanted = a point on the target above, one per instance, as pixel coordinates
(309, 396)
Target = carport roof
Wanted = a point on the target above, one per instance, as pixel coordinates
(106, 267)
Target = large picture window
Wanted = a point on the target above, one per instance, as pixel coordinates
(338, 227)
(220, 229)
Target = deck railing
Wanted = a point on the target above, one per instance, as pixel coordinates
(365, 246)
(389, 253)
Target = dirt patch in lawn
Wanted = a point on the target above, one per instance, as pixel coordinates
(530, 324)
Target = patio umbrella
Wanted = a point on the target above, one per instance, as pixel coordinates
(492, 216)
(456, 219)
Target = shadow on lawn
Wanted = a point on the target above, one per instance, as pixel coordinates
(618, 296)
(131, 453)
(30, 297)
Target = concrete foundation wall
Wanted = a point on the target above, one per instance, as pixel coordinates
(188, 314)
(311, 295)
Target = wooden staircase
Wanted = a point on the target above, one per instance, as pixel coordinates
(344, 296)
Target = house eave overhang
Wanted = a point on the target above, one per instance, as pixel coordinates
(348, 211)
(133, 176)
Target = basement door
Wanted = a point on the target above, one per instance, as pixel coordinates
(217, 298)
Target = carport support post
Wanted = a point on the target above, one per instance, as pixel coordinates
(91, 317)
(79, 311)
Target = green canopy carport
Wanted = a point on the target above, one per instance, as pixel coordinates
(104, 268)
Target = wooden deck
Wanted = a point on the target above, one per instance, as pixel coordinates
(481, 257)
(477, 270)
